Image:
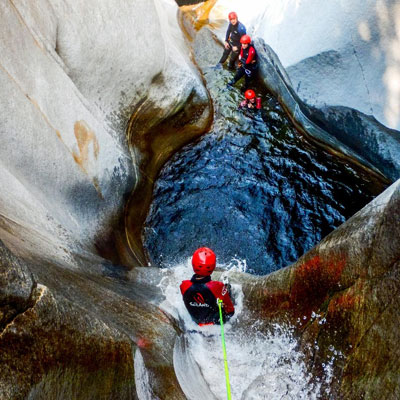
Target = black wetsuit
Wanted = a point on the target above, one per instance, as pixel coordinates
(200, 298)
(233, 35)
(248, 58)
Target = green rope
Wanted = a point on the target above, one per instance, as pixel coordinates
(228, 386)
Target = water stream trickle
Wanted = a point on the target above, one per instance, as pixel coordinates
(264, 363)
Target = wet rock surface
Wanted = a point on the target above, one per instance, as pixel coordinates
(76, 333)
(364, 134)
(254, 188)
(16, 287)
(340, 128)
(342, 297)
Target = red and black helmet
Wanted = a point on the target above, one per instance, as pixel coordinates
(232, 15)
(245, 39)
(203, 261)
(249, 94)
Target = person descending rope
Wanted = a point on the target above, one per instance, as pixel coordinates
(251, 101)
(232, 43)
(248, 62)
(200, 293)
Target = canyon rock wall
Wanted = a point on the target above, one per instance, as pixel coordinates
(72, 75)
(336, 54)
(342, 297)
(75, 76)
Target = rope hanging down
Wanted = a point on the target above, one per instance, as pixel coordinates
(228, 386)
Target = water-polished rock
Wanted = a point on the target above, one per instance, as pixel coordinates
(342, 298)
(65, 159)
(79, 335)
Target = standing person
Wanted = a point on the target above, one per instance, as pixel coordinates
(200, 293)
(251, 101)
(232, 44)
(248, 62)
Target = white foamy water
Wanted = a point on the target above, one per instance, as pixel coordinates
(262, 365)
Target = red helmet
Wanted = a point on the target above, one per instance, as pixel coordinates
(232, 15)
(245, 39)
(249, 94)
(203, 261)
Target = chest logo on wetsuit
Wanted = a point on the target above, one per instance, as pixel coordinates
(199, 299)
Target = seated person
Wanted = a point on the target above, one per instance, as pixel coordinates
(200, 293)
(248, 63)
(251, 101)
(232, 43)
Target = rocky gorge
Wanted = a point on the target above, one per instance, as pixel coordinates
(93, 104)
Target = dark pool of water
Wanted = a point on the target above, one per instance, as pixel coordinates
(253, 189)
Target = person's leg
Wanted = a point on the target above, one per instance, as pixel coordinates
(225, 55)
(238, 75)
(247, 81)
(232, 59)
(249, 76)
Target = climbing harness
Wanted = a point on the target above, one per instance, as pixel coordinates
(228, 386)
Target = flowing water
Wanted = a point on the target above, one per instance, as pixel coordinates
(263, 363)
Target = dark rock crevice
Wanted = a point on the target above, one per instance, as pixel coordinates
(17, 288)
(154, 137)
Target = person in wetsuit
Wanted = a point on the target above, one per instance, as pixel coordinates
(200, 293)
(248, 62)
(250, 101)
(232, 43)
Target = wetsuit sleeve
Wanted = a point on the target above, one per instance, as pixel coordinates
(185, 285)
(220, 292)
(242, 29)
(228, 32)
(251, 56)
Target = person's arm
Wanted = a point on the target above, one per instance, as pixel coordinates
(242, 29)
(240, 57)
(221, 292)
(251, 56)
(227, 301)
(228, 33)
(185, 285)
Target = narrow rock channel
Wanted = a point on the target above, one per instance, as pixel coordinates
(253, 188)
